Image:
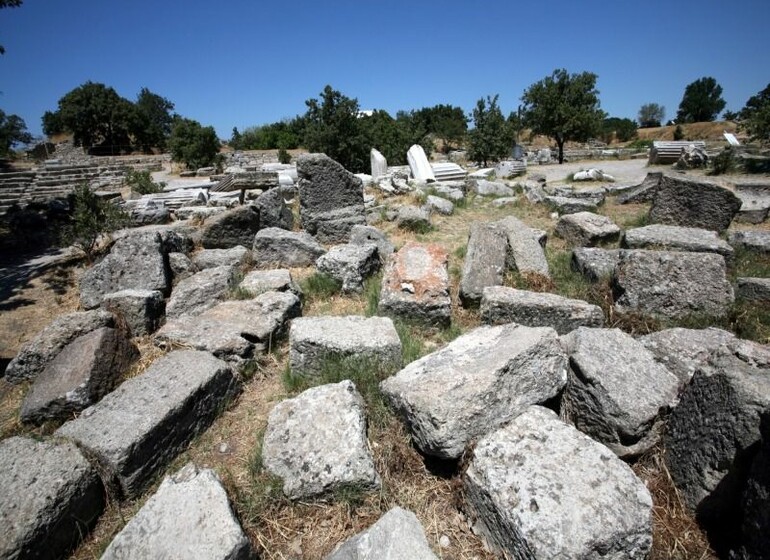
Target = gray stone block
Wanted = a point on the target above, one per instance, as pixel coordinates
(314, 458)
(676, 238)
(413, 218)
(188, 517)
(212, 258)
(141, 310)
(594, 263)
(350, 265)
(485, 262)
(364, 235)
(525, 247)
(569, 205)
(139, 428)
(478, 382)
(586, 229)
(313, 341)
(275, 247)
(201, 291)
(277, 280)
(273, 211)
(483, 187)
(231, 228)
(439, 205)
(540, 489)
(693, 202)
(644, 192)
(500, 304)
(51, 498)
(181, 266)
(753, 289)
(758, 241)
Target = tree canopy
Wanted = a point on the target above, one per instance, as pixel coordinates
(13, 130)
(152, 121)
(491, 138)
(702, 101)
(619, 129)
(193, 144)
(755, 116)
(651, 115)
(564, 107)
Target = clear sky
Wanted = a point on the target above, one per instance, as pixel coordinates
(243, 63)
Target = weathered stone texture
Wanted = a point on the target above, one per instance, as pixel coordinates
(201, 291)
(677, 238)
(275, 247)
(141, 310)
(485, 262)
(690, 202)
(350, 265)
(230, 229)
(586, 229)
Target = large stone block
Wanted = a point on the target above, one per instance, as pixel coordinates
(756, 498)
(141, 310)
(485, 262)
(81, 374)
(51, 498)
(594, 263)
(397, 535)
(350, 265)
(188, 517)
(500, 304)
(139, 428)
(540, 489)
(258, 282)
(671, 284)
(213, 258)
(677, 238)
(617, 393)
(475, 384)
(317, 457)
(201, 291)
(275, 247)
(36, 354)
(419, 164)
(379, 164)
(415, 285)
(525, 247)
(693, 202)
(314, 341)
(753, 289)
(586, 229)
(364, 235)
(273, 211)
(230, 229)
(331, 199)
(758, 241)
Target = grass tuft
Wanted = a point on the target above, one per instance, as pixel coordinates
(412, 346)
(372, 288)
(320, 286)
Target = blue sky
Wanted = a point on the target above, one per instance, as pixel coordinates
(242, 63)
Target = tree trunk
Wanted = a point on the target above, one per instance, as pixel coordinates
(560, 143)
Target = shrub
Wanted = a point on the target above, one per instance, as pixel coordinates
(283, 156)
(92, 217)
(141, 182)
(678, 133)
(724, 162)
(192, 144)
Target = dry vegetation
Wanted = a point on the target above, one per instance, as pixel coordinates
(280, 529)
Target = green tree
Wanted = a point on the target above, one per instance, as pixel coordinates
(151, 126)
(621, 129)
(446, 122)
(13, 130)
(651, 115)
(236, 139)
(332, 127)
(92, 217)
(702, 101)
(96, 116)
(192, 144)
(564, 107)
(755, 116)
(490, 138)
(52, 123)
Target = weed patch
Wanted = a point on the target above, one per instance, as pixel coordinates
(320, 286)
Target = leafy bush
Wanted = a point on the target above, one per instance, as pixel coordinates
(678, 133)
(141, 182)
(283, 156)
(192, 144)
(639, 144)
(92, 217)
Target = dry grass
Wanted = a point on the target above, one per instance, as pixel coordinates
(694, 131)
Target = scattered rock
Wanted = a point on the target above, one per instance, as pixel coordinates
(415, 285)
(586, 229)
(475, 384)
(35, 355)
(689, 202)
(277, 280)
(212, 258)
(446, 190)
(201, 291)
(569, 205)
(331, 198)
(230, 229)
(676, 238)
(141, 310)
(592, 174)
(413, 218)
(146, 211)
(485, 262)
(756, 498)
(686, 284)
(51, 498)
(181, 266)
(753, 289)
(317, 342)
(758, 241)
(314, 458)
(350, 265)
(595, 264)
(364, 235)
(540, 486)
(439, 205)
(82, 373)
(397, 535)
(643, 192)
(188, 517)
(198, 212)
(504, 201)
(525, 247)
(482, 187)
(500, 304)
(273, 211)
(142, 425)
(617, 392)
(275, 247)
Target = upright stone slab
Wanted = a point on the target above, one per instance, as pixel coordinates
(51, 498)
(275, 247)
(616, 391)
(689, 202)
(586, 229)
(273, 211)
(364, 235)
(81, 374)
(35, 355)
(677, 238)
(230, 229)
(314, 342)
(419, 165)
(712, 437)
(201, 291)
(379, 164)
(316, 457)
(331, 199)
(685, 284)
(139, 428)
(397, 535)
(213, 258)
(593, 263)
(135, 262)
(478, 382)
(188, 517)
(350, 265)
(415, 285)
(485, 262)
(142, 310)
(540, 489)
(525, 251)
(236, 330)
(501, 304)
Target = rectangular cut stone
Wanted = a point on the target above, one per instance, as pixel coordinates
(693, 202)
(525, 250)
(484, 263)
(677, 238)
(141, 426)
(415, 285)
(419, 165)
(594, 263)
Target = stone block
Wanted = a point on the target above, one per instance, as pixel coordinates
(275, 247)
(201, 291)
(234, 227)
(141, 310)
(586, 229)
(350, 265)
(485, 262)
(594, 263)
(364, 235)
(212, 258)
(277, 280)
(693, 202)
(677, 238)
